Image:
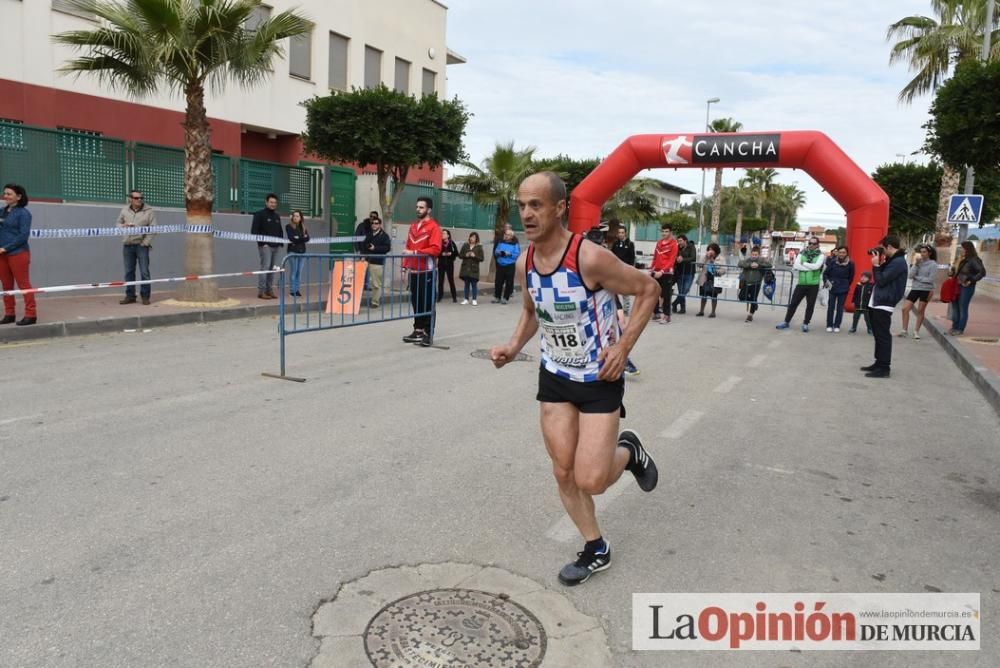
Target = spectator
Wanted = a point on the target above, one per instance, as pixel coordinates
(839, 273)
(624, 250)
(684, 271)
(922, 274)
(298, 235)
(472, 256)
(376, 245)
(267, 223)
(862, 295)
(809, 264)
(662, 269)
(970, 272)
(506, 253)
(424, 241)
(706, 280)
(363, 229)
(15, 255)
(889, 272)
(751, 279)
(446, 266)
(136, 247)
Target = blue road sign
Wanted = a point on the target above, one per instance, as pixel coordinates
(965, 209)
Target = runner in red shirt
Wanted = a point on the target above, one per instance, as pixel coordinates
(662, 268)
(424, 243)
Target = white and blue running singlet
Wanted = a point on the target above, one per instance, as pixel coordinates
(576, 322)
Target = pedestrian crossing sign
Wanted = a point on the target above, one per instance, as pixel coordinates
(965, 209)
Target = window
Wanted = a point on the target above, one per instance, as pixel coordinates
(10, 136)
(64, 6)
(429, 81)
(300, 56)
(373, 67)
(259, 15)
(402, 76)
(425, 182)
(338, 61)
(80, 142)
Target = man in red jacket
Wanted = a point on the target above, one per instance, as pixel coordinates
(662, 268)
(423, 243)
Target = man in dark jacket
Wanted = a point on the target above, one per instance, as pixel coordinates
(624, 250)
(684, 271)
(890, 271)
(376, 244)
(267, 222)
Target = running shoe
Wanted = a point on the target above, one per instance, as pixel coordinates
(587, 564)
(781, 325)
(631, 369)
(805, 328)
(413, 337)
(640, 464)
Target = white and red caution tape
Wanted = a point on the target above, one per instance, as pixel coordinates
(91, 232)
(121, 284)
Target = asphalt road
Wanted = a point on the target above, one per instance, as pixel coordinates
(163, 504)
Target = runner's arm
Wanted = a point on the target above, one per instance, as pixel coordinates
(601, 267)
(527, 324)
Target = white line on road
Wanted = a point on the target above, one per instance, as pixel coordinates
(727, 385)
(564, 531)
(687, 420)
(756, 360)
(18, 419)
(772, 469)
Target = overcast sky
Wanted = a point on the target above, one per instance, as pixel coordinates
(578, 77)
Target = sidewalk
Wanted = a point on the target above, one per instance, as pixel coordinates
(977, 353)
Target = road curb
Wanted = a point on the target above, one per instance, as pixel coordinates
(981, 376)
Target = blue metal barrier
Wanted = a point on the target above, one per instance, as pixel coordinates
(728, 283)
(320, 291)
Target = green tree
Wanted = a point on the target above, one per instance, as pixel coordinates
(912, 195)
(740, 197)
(965, 118)
(759, 182)
(784, 201)
(720, 125)
(496, 181)
(572, 170)
(681, 222)
(388, 129)
(631, 203)
(142, 47)
(930, 46)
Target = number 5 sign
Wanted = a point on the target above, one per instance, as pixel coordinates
(347, 283)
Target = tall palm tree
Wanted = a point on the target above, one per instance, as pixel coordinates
(632, 203)
(495, 183)
(144, 46)
(741, 198)
(931, 47)
(785, 201)
(759, 182)
(720, 125)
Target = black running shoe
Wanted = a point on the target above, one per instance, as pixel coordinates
(413, 337)
(586, 565)
(640, 464)
(425, 340)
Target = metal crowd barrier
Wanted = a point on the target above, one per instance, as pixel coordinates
(729, 282)
(337, 290)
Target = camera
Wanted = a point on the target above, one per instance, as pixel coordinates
(878, 250)
(597, 233)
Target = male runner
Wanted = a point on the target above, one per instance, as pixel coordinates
(569, 287)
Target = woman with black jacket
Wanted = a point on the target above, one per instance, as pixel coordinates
(446, 265)
(970, 271)
(298, 235)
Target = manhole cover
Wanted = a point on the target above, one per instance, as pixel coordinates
(485, 355)
(445, 628)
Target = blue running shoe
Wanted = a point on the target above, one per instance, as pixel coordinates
(781, 325)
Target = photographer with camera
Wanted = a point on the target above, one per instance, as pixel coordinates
(889, 271)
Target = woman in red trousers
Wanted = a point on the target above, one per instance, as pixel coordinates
(15, 256)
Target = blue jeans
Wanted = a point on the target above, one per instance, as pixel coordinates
(269, 257)
(133, 253)
(683, 285)
(835, 310)
(964, 297)
(294, 271)
(473, 285)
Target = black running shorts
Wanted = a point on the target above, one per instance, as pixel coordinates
(599, 396)
(921, 295)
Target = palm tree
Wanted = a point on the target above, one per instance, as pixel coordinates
(720, 125)
(631, 203)
(759, 182)
(144, 46)
(741, 197)
(931, 47)
(496, 182)
(785, 200)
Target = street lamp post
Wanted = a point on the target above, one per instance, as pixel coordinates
(701, 204)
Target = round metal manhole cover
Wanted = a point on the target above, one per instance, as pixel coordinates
(485, 355)
(452, 628)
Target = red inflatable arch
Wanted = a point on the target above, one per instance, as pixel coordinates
(866, 205)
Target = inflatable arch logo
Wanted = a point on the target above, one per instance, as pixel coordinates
(866, 205)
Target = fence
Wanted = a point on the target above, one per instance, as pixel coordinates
(727, 286)
(82, 167)
(453, 209)
(336, 290)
